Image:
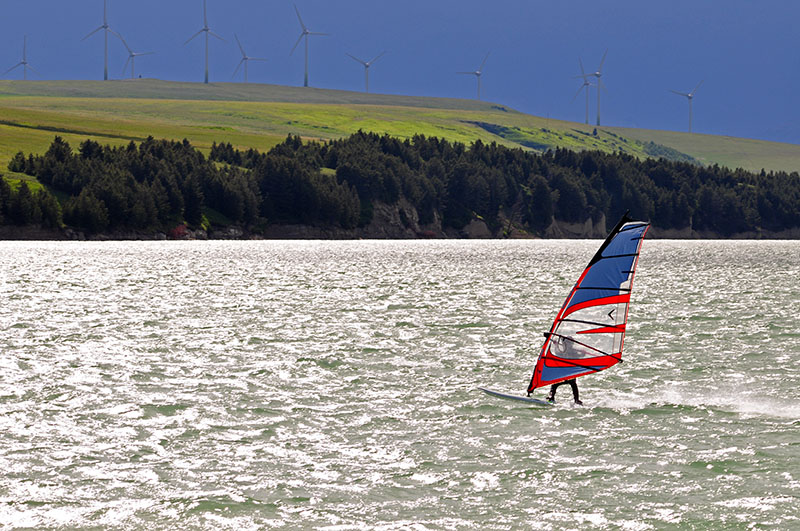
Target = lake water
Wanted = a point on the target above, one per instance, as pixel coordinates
(250, 385)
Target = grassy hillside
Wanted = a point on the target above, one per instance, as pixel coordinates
(259, 116)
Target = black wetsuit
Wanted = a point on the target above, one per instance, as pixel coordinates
(572, 383)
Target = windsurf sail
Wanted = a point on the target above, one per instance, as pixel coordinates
(588, 332)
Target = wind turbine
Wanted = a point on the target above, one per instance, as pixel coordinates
(131, 57)
(24, 63)
(205, 29)
(598, 73)
(305, 33)
(245, 59)
(689, 96)
(477, 73)
(106, 31)
(366, 64)
(586, 84)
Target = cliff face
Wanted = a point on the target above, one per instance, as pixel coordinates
(399, 221)
(587, 229)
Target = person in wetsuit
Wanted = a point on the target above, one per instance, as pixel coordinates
(572, 383)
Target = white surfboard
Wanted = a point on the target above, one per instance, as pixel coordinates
(517, 398)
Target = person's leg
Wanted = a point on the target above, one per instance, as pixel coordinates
(575, 395)
(552, 396)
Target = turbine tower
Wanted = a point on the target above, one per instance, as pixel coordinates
(477, 73)
(106, 30)
(586, 84)
(205, 29)
(689, 96)
(305, 33)
(245, 59)
(598, 73)
(366, 64)
(24, 63)
(131, 57)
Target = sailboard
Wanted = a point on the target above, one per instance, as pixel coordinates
(516, 398)
(588, 333)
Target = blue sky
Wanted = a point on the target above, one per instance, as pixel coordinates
(746, 52)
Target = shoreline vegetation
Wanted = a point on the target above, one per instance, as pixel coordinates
(377, 186)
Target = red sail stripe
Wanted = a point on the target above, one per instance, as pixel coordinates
(605, 330)
(606, 360)
(614, 299)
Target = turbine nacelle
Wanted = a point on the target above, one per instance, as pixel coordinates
(689, 96)
(597, 74)
(245, 59)
(304, 34)
(584, 86)
(107, 29)
(131, 56)
(24, 63)
(205, 29)
(477, 73)
(366, 64)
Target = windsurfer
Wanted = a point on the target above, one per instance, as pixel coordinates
(572, 383)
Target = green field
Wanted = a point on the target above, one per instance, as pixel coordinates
(259, 116)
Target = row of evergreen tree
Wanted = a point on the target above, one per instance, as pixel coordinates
(23, 207)
(459, 182)
(158, 184)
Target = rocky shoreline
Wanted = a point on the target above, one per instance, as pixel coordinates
(390, 222)
(476, 230)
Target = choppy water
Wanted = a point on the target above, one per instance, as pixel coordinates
(244, 385)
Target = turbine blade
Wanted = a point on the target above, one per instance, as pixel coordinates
(356, 59)
(697, 87)
(28, 65)
(577, 93)
(603, 60)
(679, 93)
(215, 35)
(205, 15)
(92, 33)
(238, 66)
(124, 42)
(240, 45)
(12, 68)
(126, 65)
(300, 18)
(192, 37)
(298, 42)
(483, 62)
(583, 72)
(378, 57)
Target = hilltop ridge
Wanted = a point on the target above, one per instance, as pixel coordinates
(231, 91)
(260, 116)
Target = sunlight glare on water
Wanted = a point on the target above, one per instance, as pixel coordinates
(243, 385)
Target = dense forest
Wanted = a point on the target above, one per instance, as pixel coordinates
(158, 185)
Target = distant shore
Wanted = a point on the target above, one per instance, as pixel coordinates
(306, 232)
